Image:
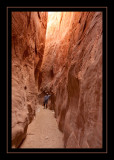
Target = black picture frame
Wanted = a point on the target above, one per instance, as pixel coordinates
(106, 151)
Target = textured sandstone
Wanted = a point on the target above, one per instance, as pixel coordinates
(28, 42)
(72, 70)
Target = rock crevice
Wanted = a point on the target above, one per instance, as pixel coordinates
(60, 53)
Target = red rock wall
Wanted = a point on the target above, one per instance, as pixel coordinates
(72, 70)
(28, 42)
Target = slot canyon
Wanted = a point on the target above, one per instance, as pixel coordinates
(59, 53)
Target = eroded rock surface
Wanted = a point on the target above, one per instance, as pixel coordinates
(72, 70)
(28, 42)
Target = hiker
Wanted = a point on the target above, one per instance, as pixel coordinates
(46, 97)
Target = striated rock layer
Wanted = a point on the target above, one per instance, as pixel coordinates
(72, 71)
(28, 42)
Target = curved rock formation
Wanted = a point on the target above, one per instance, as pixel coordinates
(72, 70)
(70, 67)
(28, 42)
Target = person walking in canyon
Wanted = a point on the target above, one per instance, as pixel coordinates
(46, 98)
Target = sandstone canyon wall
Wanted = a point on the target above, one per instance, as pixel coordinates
(72, 71)
(28, 42)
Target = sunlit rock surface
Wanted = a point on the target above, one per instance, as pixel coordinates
(28, 42)
(72, 70)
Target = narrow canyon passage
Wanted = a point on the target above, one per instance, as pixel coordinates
(43, 131)
(59, 53)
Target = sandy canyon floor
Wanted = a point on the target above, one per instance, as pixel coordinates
(43, 132)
